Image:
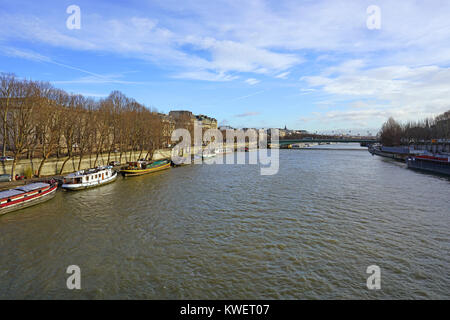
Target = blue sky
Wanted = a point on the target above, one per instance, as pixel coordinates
(311, 65)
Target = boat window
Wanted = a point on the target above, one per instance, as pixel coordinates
(9, 200)
(39, 191)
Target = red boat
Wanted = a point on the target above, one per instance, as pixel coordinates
(434, 163)
(433, 158)
(26, 196)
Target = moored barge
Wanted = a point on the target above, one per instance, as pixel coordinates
(26, 196)
(432, 163)
(143, 167)
(89, 178)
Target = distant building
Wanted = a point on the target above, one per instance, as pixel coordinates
(221, 128)
(167, 127)
(206, 122)
(186, 119)
(181, 116)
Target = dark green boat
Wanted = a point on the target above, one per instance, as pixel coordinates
(142, 167)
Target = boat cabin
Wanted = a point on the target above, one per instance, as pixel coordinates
(22, 193)
(137, 164)
(91, 175)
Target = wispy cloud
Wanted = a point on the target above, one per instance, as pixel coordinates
(247, 114)
(205, 76)
(252, 81)
(402, 92)
(93, 95)
(400, 70)
(104, 79)
(248, 96)
(146, 39)
(92, 78)
(283, 75)
(24, 54)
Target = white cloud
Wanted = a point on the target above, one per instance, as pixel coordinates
(205, 76)
(247, 114)
(247, 96)
(406, 93)
(252, 81)
(400, 70)
(145, 39)
(24, 54)
(253, 36)
(283, 75)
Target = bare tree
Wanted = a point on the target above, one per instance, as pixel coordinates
(391, 133)
(68, 118)
(48, 121)
(8, 89)
(20, 122)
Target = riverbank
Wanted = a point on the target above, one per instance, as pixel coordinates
(13, 184)
(419, 159)
(52, 167)
(401, 153)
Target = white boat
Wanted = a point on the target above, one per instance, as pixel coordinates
(89, 178)
(208, 154)
(223, 150)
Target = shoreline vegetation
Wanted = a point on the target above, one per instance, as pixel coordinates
(39, 121)
(432, 130)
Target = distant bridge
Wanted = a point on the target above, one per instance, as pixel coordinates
(363, 142)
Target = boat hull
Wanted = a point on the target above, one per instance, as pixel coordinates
(94, 184)
(396, 156)
(140, 172)
(434, 167)
(47, 195)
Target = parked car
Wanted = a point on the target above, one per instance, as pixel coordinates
(5, 178)
(7, 158)
(114, 163)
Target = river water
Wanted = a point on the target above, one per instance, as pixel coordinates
(226, 232)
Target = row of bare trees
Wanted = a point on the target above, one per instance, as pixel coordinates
(393, 133)
(40, 121)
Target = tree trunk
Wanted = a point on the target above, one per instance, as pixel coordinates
(40, 166)
(79, 162)
(63, 164)
(109, 157)
(13, 170)
(96, 159)
(5, 133)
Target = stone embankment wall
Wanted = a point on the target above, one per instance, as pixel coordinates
(53, 166)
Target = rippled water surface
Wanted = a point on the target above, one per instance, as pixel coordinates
(225, 231)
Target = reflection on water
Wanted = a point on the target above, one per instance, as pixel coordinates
(224, 231)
